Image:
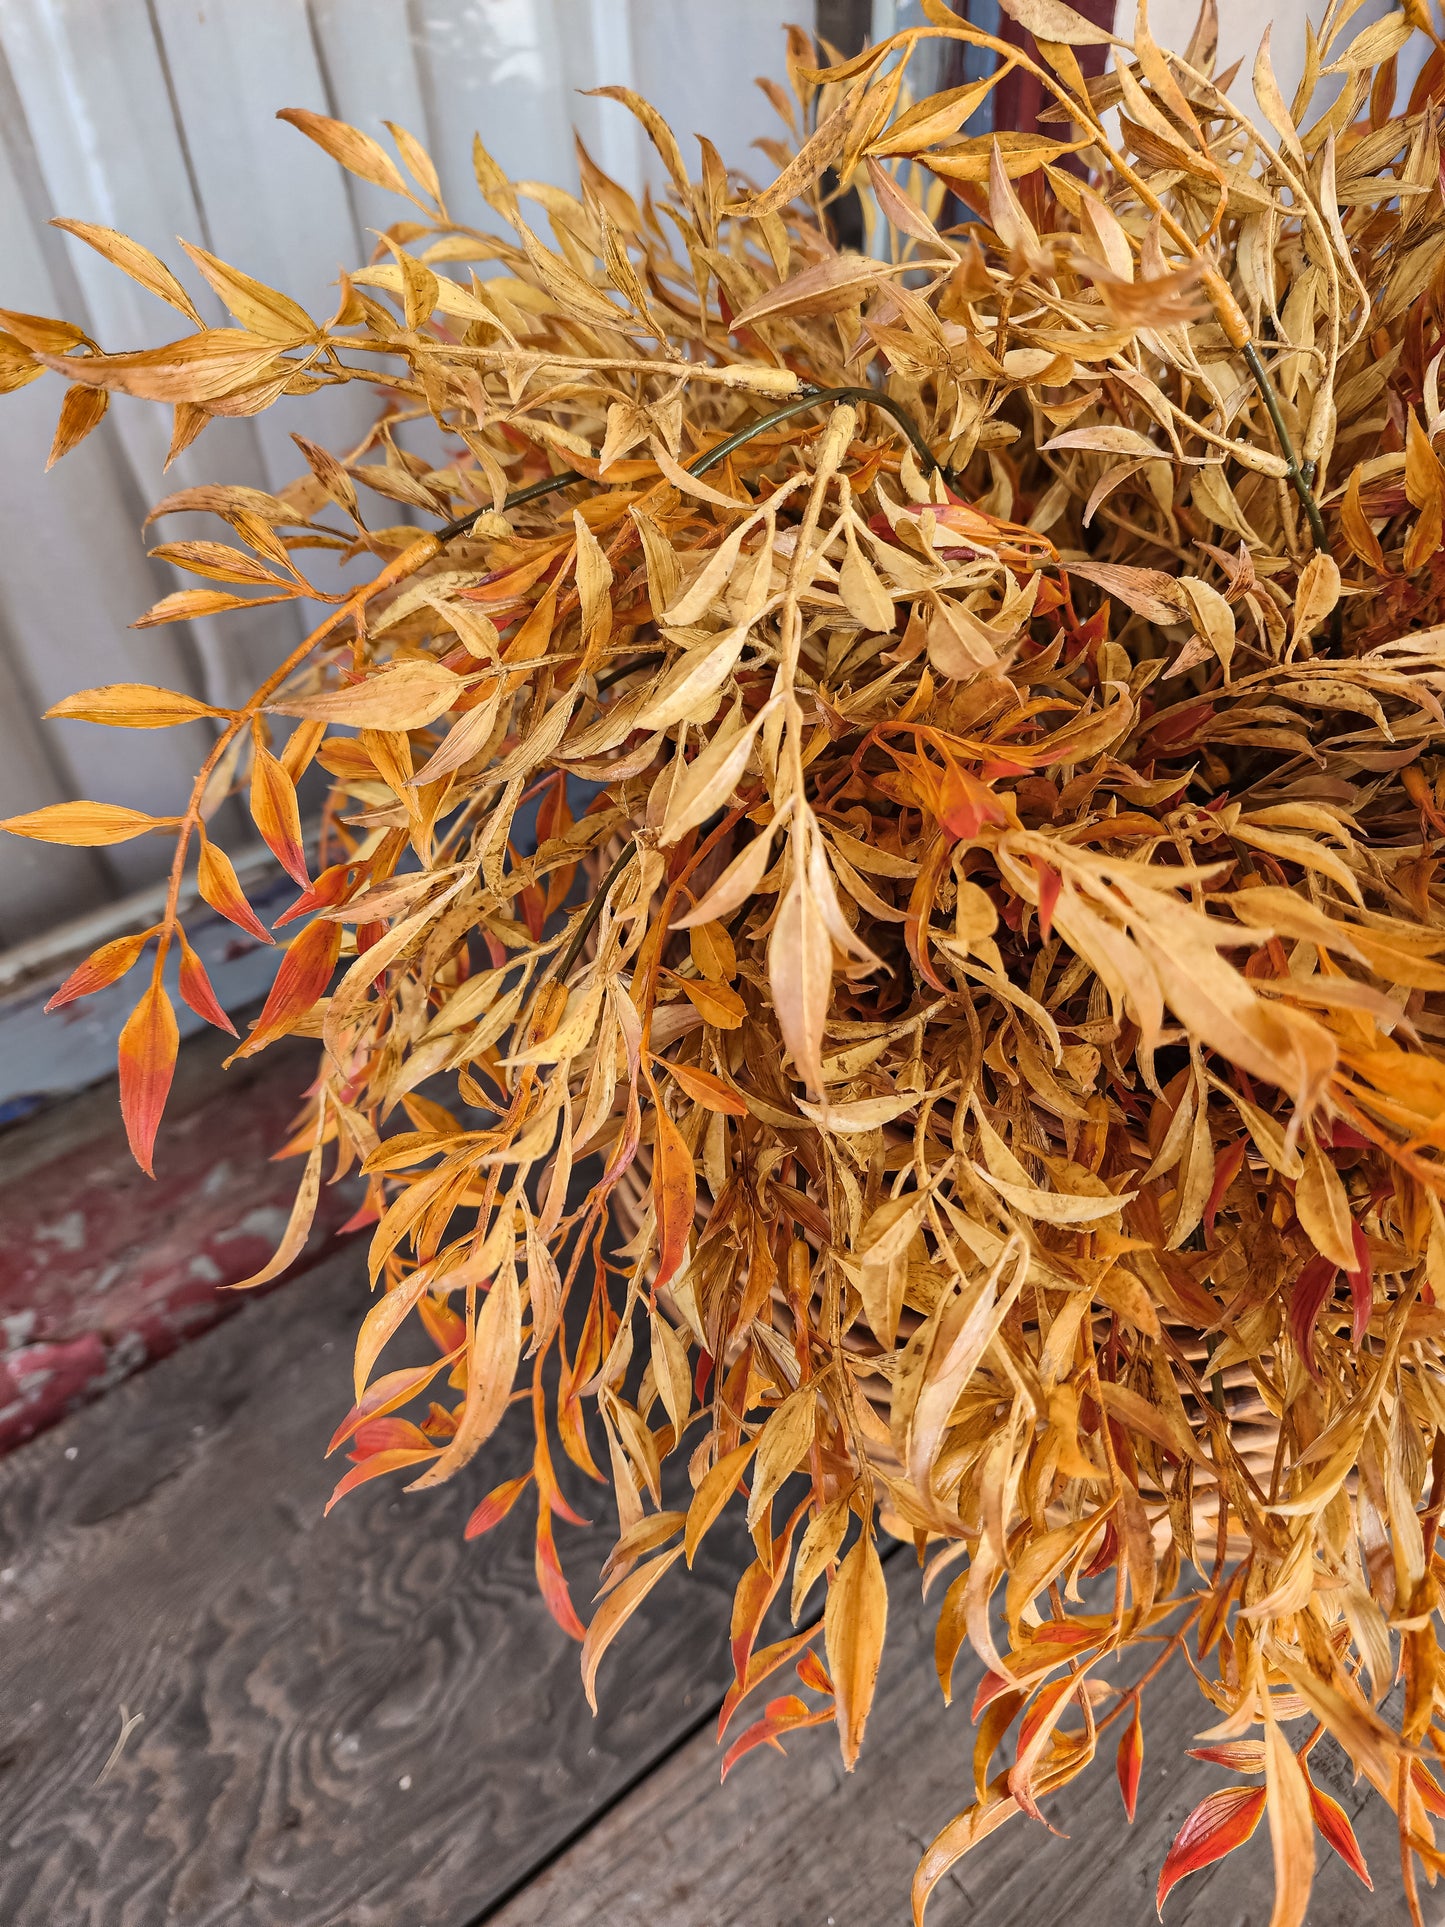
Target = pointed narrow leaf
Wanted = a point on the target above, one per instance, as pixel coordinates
(853, 1628)
(1129, 1762)
(131, 705)
(1216, 1827)
(219, 886)
(147, 1062)
(614, 1612)
(197, 991)
(304, 972)
(84, 825)
(674, 1194)
(1333, 1822)
(276, 814)
(107, 965)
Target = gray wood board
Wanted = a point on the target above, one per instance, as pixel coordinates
(361, 1722)
(796, 1842)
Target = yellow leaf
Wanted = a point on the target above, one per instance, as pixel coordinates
(714, 1489)
(719, 1004)
(401, 695)
(782, 1445)
(255, 306)
(614, 1612)
(85, 825)
(1323, 1206)
(854, 1624)
(131, 705)
(138, 262)
(1291, 1829)
(861, 587)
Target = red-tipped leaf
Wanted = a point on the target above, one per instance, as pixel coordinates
(104, 966)
(277, 815)
(197, 991)
(219, 886)
(495, 1507)
(1311, 1291)
(147, 1062)
(374, 1467)
(1333, 1822)
(328, 889)
(1216, 1827)
(1129, 1762)
(302, 978)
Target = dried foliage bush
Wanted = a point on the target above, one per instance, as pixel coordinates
(999, 972)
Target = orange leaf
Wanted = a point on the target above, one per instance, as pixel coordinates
(302, 978)
(386, 1435)
(714, 1489)
(965, 805)
(384, 1396)
(551, 1581)
(495, 1507)
(674, 1193)
(197, 991)
(276, 814)
(719, 1004)
(1129, 1762)
(853, 1627)
(84, 825)
(184, 605)
(709, 1091)
(219, 886)
(373, 1468)
(1333, 1822)
(103, 966)
(328, 889)
(131, 705)
(147, 1061)
(1216, 1827)
(614, 1612)
(355, 150)
(83, 409)
(785, 1715)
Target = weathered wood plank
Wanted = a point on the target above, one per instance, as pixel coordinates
(363, 1721)
(799, 1843)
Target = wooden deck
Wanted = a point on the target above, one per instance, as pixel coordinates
(366, 1722)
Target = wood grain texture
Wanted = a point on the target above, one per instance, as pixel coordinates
(799, 1843)
(364, 1722)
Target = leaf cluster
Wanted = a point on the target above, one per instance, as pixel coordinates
(979, 707)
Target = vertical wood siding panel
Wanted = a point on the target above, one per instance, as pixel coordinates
(41, 884)
(1241, 24)
(492, 67)
(366, 60)
(275, 204)
(699, 68)
(91, 99)
(73, 576)
(158, 119)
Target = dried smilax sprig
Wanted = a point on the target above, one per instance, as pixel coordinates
(992, 994)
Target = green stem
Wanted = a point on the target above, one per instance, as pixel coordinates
(809, 398)
(1299, 480)
(593, 911)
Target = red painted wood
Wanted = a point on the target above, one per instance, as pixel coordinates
(102, 1270)
(1019, 96)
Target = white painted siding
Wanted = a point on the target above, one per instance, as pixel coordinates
(157, 117)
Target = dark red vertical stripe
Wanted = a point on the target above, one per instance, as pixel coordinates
(1018, 97)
